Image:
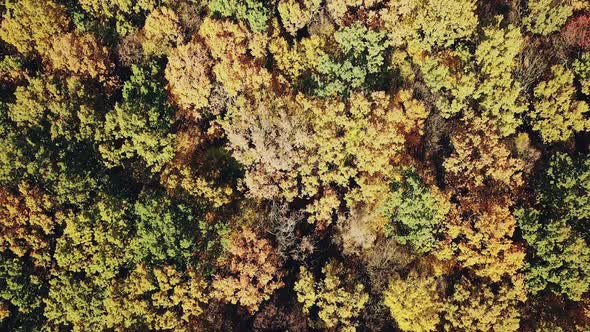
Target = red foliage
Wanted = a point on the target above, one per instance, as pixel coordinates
(577, 31)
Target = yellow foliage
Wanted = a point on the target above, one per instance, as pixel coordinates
(182, 176)
(480, 159)
(339, 301)
(296, 14)
(414, 302)
(485, 245)
(225, 39)
(484, 306)
(31, 25)
(557, 115)
(188, 74)
(163, 298)
(433, 23)
(161, 32)
(229, 43)
(500, 92)
(309, 147)
(547, 16)
(4, 311)
(295, 60)
(338, 8)
(80, 55)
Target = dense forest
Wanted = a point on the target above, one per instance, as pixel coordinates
(295, 165)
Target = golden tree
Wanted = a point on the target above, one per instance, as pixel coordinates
(188, 74)
(338, 298)
(414, 302)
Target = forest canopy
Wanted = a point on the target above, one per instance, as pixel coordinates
(295, 165)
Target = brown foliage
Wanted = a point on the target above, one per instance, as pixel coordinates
(481, 162)
(577, 31)
(252, 273)
(80, 54)
(26, 223)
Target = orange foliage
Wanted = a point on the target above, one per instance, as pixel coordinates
(252, 272)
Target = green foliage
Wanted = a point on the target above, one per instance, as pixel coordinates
(165, 230)
(560, 255)
(358, 62)
(416, 213)
(252, 11)
(138, 129)
(69, 170)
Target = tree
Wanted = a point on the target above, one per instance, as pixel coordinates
(252, 11)
(188, 74)
(442, 22)
(161, 32)
(295, 60)
(483, 241)
(124, 13)
(12, 70)
(95, 242)
(80, 55)
(73, 302)
(20, 289)
(500, 92)
(483, 306)
(139, 128)
(357, 63)
(559, 256)
(577, 31)
(162, 298)
(296, 15)
(581, 68)
(27, 224)
(239, 56)
(546, 16)
(194, 171)
(337, 297)
(307, 147)
(31, 26)
(557, 116)
(432, 23)
(414, 302)
(252, 274)
(481, 162)
(62, 106)
(416, 213)
(165, 230)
